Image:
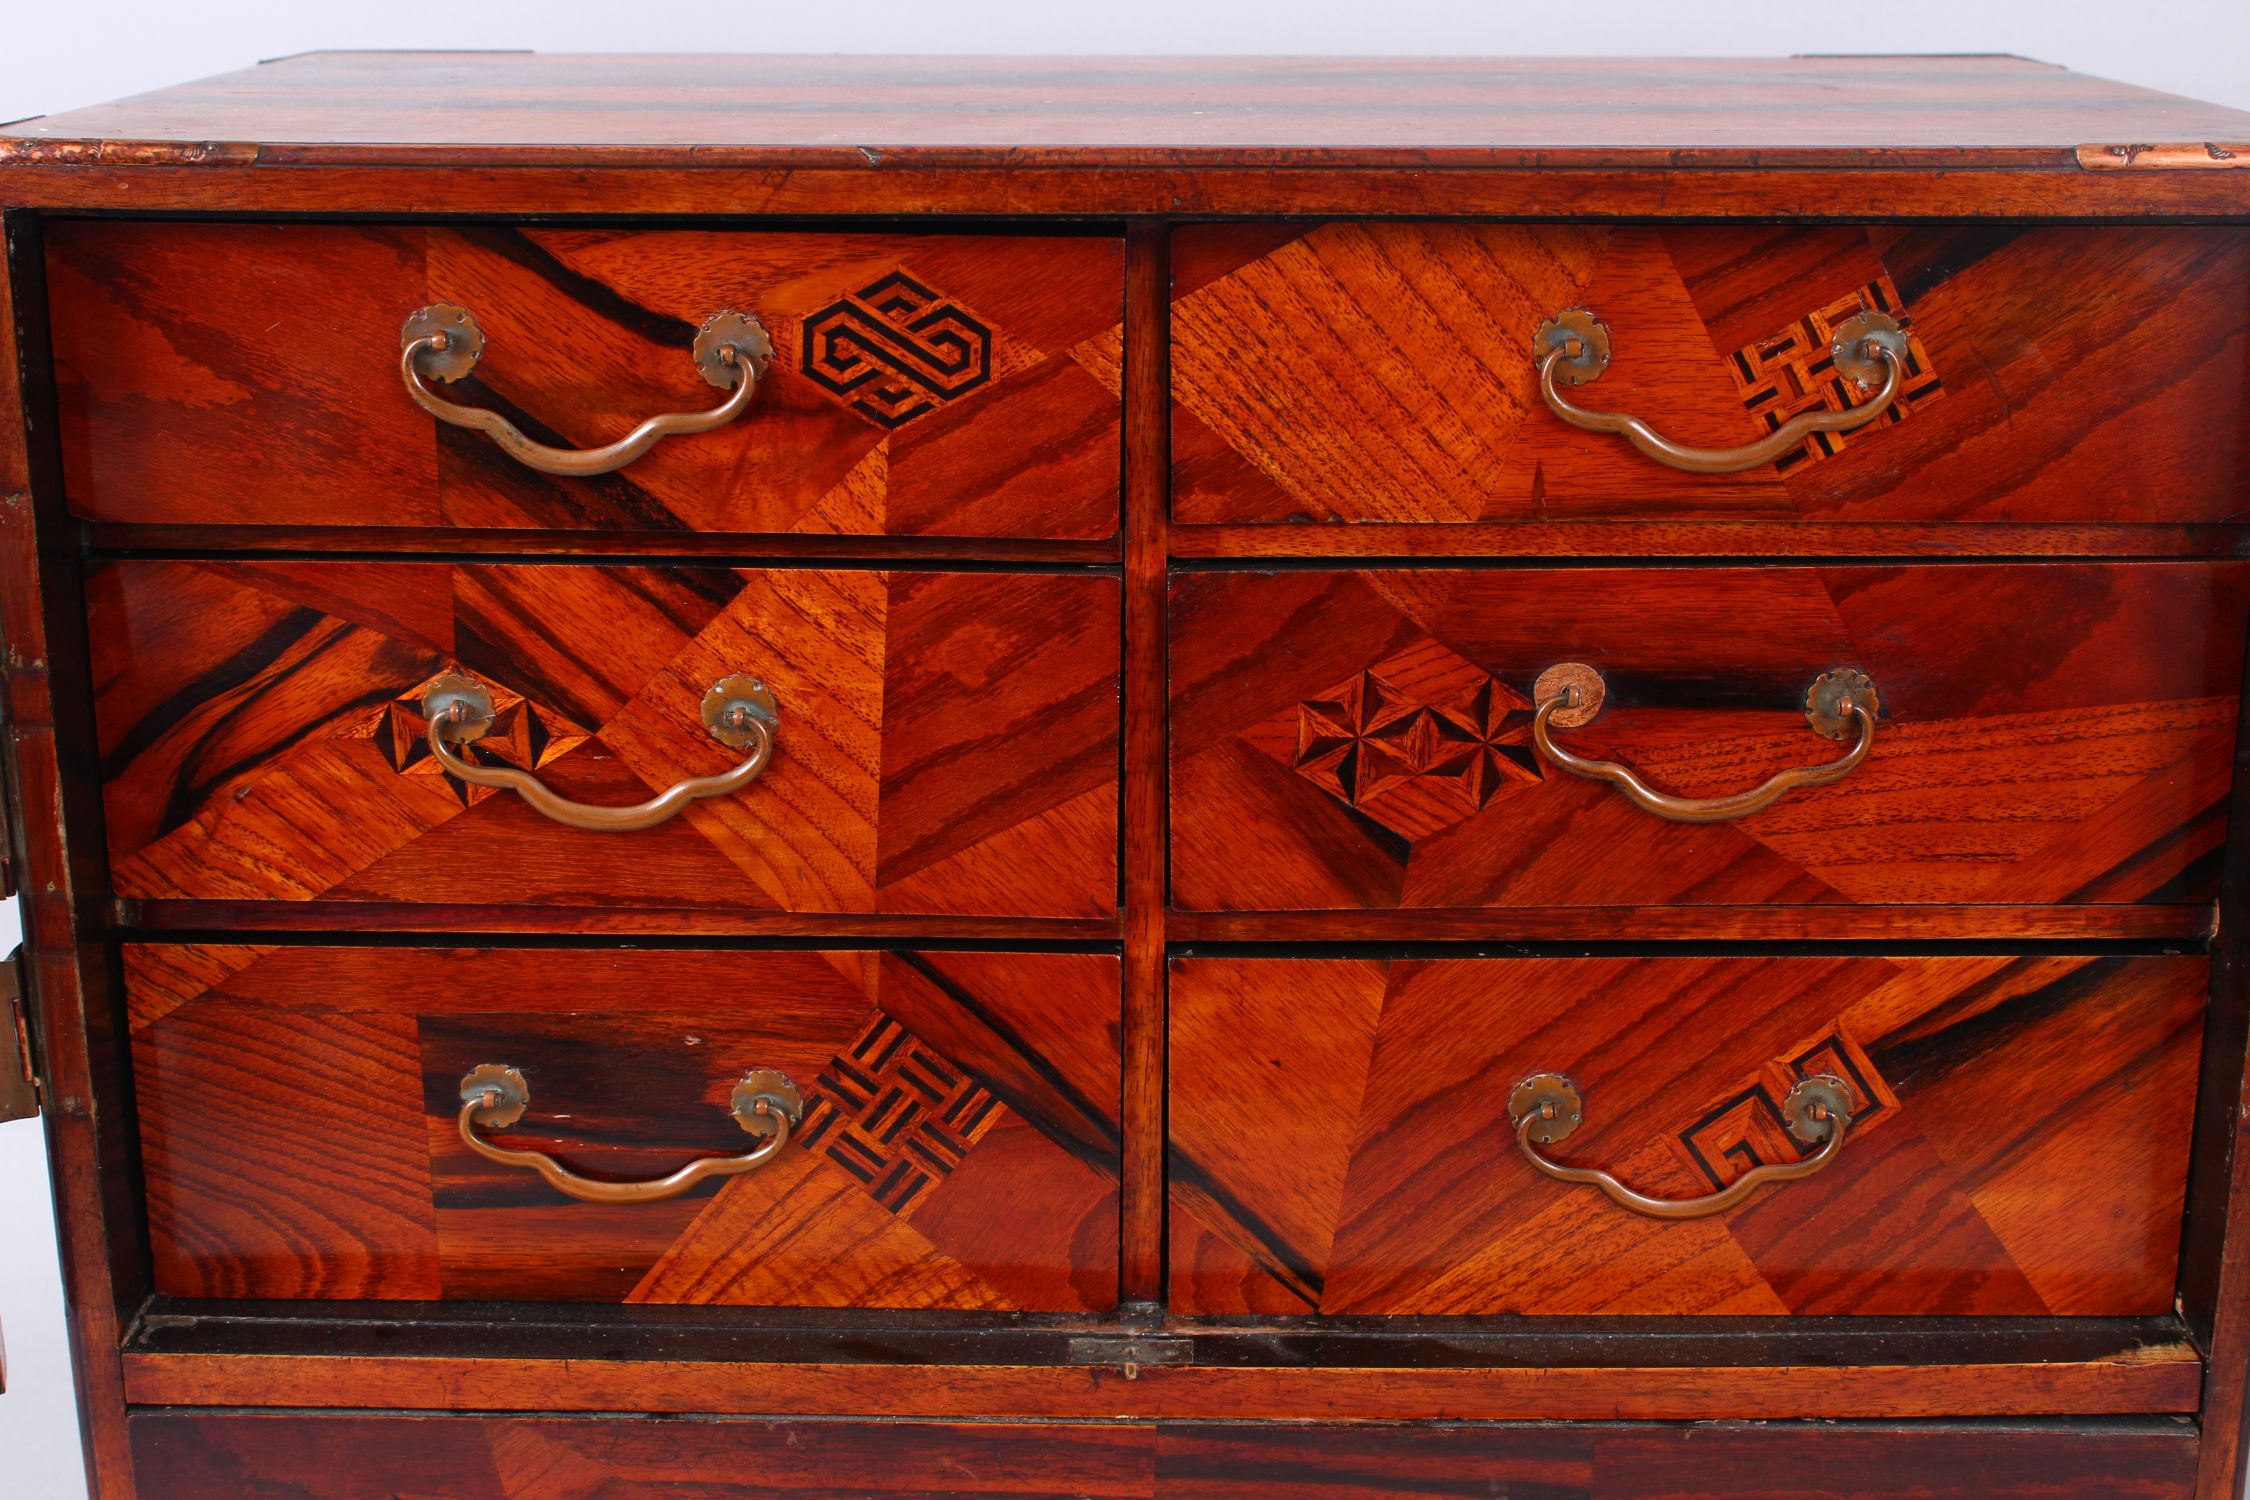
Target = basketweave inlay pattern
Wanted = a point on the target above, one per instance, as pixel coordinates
(895, 1114)
(1793, 371)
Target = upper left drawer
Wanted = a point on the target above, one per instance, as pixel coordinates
(926, 385)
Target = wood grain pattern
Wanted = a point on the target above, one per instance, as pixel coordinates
(874, 113)
(2161, 1380)
(265, 1457)
(160, 182)
(269, 1458)
(1340, 1136)
(47, 735)
(1003, 425)
(960, 1149)
(1145, 852)
(1689, 538)
(2054, 765)
(1382, 372)
(796, 1361)
(2051, 734)
(1675, 1463)
(1651, 924)
(947, 747)
(2214, 1296)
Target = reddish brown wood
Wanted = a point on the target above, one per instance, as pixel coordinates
(2050, 733)
(705, 921)
(947, 745)
(103, 537)
(921, 384)
(1808, 193)
(2215, 1259)
(48, 741)
(241, 1456)
(882, 114)
(1383, 372)
(1147, 486)
(2152, 1380)
(260, 1458)
(1341, 1141)
(1653, 924)
(2138, 1462)
(1599, 538)
(297, 1124)
(2074, 710)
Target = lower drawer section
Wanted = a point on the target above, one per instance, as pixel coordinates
(1344, 1138)
(242, 1456)
(303, 1136)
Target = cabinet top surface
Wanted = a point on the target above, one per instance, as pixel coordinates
(372, 108)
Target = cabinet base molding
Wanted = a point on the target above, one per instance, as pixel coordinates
(265, 1456)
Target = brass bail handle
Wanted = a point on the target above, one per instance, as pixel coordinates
(732, 351)
(765, 1103)
(1547, 1107)
(1572, 348)
(1571, 694)
(739, 712)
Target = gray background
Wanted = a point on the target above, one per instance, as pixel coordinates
(59, 57)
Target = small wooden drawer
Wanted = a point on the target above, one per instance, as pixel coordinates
(191, 1455)
(1344, 1134)
(301, 1133)
(250, 374)
(1385, 372)
(943, 743)
(2038, 734)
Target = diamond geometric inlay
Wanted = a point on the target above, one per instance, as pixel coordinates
(1418, 741)
(522, 735)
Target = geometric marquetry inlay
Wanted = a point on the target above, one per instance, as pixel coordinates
(1417, 742)
(1792, 371)
(896, 350)
(522, 735)
(895, 1114)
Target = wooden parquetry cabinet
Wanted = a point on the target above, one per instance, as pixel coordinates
(912, 778)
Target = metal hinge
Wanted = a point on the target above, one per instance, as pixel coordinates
(19, 1082)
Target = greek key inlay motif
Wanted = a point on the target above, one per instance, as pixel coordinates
(896, 350)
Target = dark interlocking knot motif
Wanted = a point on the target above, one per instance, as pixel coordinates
(896, 350)
(1792, 371)
(895, 1114)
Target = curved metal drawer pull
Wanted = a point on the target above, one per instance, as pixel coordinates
(765, 1103)
(444, 342)
(1546, 1107)
(1572, 348)
(1571, 694)
(739, 711)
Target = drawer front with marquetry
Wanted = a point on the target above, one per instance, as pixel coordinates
(1457, 373)
(1746, 1135)
(874, 1129)
(1421, 739)
(603, 738)
(499, 377)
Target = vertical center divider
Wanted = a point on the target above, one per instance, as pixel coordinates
(1147, 491)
